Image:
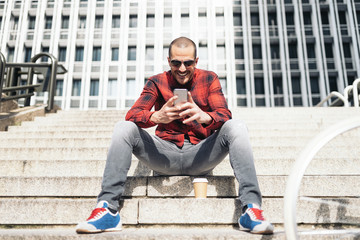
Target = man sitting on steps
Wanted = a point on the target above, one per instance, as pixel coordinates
(191, 139)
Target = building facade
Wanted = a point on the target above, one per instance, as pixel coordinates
(265, 52)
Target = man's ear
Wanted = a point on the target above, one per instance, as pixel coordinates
(169, 61)
(196, 61)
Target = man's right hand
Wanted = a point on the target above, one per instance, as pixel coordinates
(167, 113)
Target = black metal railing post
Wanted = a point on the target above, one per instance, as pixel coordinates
(52, 80)
(2, 72)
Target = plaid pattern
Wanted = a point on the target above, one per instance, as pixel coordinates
(206, 92)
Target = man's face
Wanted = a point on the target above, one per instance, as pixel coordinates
(182, 63)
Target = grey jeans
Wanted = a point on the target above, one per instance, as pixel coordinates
(166, 158)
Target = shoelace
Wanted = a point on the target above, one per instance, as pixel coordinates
(96, 212)
(256, 213)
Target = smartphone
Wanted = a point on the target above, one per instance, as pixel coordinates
(182, 96)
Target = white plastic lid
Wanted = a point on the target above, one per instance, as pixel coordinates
(200, 180)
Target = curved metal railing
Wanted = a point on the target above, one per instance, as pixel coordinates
(302, 162)
(334, 94)
(354, 89)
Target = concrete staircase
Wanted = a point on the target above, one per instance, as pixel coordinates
(52, 169)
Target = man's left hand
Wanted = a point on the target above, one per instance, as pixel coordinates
(194, 113)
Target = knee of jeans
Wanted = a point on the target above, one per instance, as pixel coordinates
(125, 128)
(235, 126)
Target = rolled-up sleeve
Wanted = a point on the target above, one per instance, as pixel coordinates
(140, 112)
(219, 110)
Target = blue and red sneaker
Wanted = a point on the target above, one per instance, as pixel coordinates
(252, 220)
(100, 220)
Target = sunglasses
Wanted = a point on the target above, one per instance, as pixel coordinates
(177, 63)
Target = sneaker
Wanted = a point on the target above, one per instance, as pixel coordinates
(100, 220)
(252, 220)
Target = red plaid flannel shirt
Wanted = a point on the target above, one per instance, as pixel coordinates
(206, 92)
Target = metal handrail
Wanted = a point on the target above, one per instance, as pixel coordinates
(302, 162)
(54, 68)
(334, 94)
(356, 86)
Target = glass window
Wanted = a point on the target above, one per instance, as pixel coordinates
(237, 19)
(150, 20)
(272, 19)
(167, 20)
(220, 51)
(202, 20)
(290, 18)
(27, 54)
(347, 50)
(307, 18)
(133, 21)
(99, 21)
(259, 86)
(48, 22)
(324, 17)
(31, 22)
(76, 88)
(82, 22)
(14, 22)
(257, 51)
(185, 20)
(96, 54)
(239, 51)
(220, 20)
(130, 87)
(149, 53)
(255, 21)
(314, 85)
(59, 88)
(10, 54)
(240, 85)
(62, 54)
(79, 54)
(203, 51)
(115, 21)
(342, 17)
(333, 84)
(112, 88)
(278, 86)
(65, 22)
(296, 86)
(94, 87)
(131, 53)
(293, 50)
(115, 54)
(275, 53)
(310, 50)
(45, 50)
(329, 50)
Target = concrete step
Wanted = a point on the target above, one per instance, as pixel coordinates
(92, 133)
(175, 211)
(180, 186)
(89, 142)
(176, 233)
(250, 124)
(80, 153)
(90, 168)
(250, 117)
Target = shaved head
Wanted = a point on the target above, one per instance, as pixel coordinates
(182, 42)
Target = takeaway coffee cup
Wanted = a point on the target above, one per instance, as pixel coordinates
(200, 187)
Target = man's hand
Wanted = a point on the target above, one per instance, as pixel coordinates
(167, 113)
(193, 111)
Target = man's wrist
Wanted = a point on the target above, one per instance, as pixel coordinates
(207, 119)
(153, 117)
